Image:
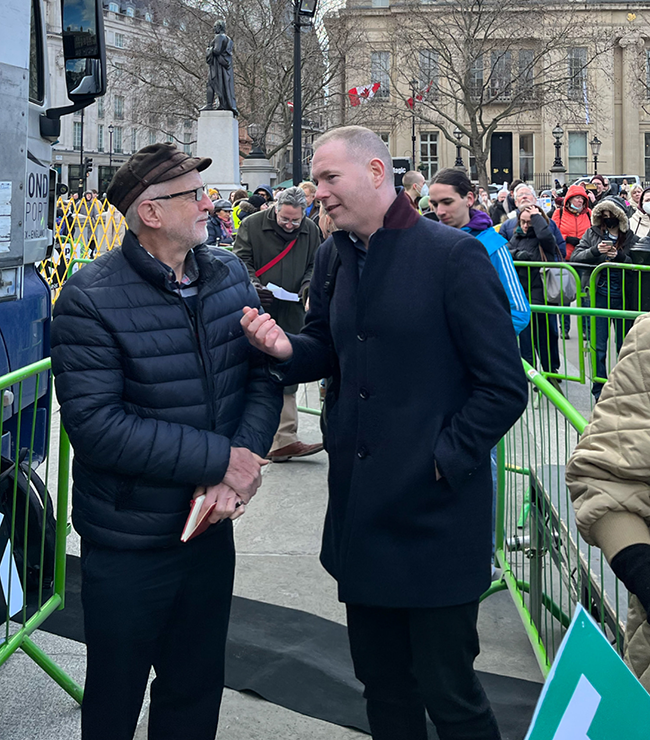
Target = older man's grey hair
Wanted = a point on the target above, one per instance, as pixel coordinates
(294, 196)
(362, 144)
(131, 216)
(523, 186)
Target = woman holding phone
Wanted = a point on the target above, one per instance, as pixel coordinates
(609, 240)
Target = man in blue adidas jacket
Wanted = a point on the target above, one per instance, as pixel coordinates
(452, 194)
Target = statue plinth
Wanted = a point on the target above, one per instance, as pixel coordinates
(218, 138)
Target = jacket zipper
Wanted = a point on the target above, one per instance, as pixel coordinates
(206, 379)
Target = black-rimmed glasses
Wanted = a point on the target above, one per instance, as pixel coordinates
(198, 194)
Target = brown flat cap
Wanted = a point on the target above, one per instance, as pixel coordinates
(152, 164)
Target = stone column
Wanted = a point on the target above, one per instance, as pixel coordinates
(632, 164)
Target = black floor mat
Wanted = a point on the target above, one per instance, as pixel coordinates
(302, 662)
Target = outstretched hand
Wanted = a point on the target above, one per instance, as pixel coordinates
(263, 333)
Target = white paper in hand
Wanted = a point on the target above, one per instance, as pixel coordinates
(282, 294)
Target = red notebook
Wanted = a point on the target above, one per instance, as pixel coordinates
(197, 522)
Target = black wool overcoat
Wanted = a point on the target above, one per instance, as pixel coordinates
(427, 372)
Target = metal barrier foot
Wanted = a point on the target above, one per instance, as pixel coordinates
(52, 669)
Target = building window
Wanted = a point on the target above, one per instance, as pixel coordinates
(119, 107)
(114, 7)
(182, 26)
(501, 76)
(130, 12)
(187, 124)
(526, 71)
(429, 73)
(152, 137)
(148, 17)
(170, 138)
(647, 157)
(186, 145)
(134, 140)
(385, 138)
(476, 78)
(100, 107)
(117, 139)
(577, 154)
(577, 61)
(76, 135)
(429, 154)
(380, 72)
(380, 3)
(100, 137)
(119, 40)
(526, 157)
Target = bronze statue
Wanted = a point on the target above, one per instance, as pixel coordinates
(222, 79)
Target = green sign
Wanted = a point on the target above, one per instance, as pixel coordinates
(590, 694)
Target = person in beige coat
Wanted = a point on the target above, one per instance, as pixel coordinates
(609, 479)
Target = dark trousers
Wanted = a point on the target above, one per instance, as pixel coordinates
(414, 661)
(603, 329)
(163, 608)
(541, 337)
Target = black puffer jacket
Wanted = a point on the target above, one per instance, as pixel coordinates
(152, 406)
(527, 248)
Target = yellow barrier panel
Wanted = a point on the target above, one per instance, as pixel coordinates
(84, 230)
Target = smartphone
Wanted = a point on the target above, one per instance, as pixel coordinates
(606, 243)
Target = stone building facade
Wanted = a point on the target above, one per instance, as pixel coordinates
(615, 106)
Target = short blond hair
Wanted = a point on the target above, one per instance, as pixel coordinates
(362, 143)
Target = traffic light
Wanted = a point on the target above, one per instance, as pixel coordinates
(88, 165)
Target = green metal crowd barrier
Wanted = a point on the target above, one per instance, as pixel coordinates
(546, 565)
(29, 604)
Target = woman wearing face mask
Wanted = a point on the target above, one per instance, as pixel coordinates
(573, 218)
(609, 240)
(640, 219)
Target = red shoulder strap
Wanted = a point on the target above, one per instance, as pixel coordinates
(276, 259)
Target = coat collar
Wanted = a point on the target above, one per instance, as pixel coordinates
(154, 272)
(401, 214)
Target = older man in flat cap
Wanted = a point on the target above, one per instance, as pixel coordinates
(163, 400)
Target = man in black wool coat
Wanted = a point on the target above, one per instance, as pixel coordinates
(164, 399)
(418, 339)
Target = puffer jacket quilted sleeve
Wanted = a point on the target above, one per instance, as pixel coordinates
(609, 470)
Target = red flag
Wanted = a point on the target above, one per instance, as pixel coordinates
(362, 92)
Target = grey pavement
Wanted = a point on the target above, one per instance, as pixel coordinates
(278, 541)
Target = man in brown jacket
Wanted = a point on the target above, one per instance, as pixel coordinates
(278, 246)
(609, 479)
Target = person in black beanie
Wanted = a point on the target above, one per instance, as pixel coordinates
(608, 476)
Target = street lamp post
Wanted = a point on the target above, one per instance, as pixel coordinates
(458, 164)
(595, 145)
(301, 9)
(414, 87)
(557, 168)
(110, 147)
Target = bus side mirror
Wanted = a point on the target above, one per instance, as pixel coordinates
(84, 49)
